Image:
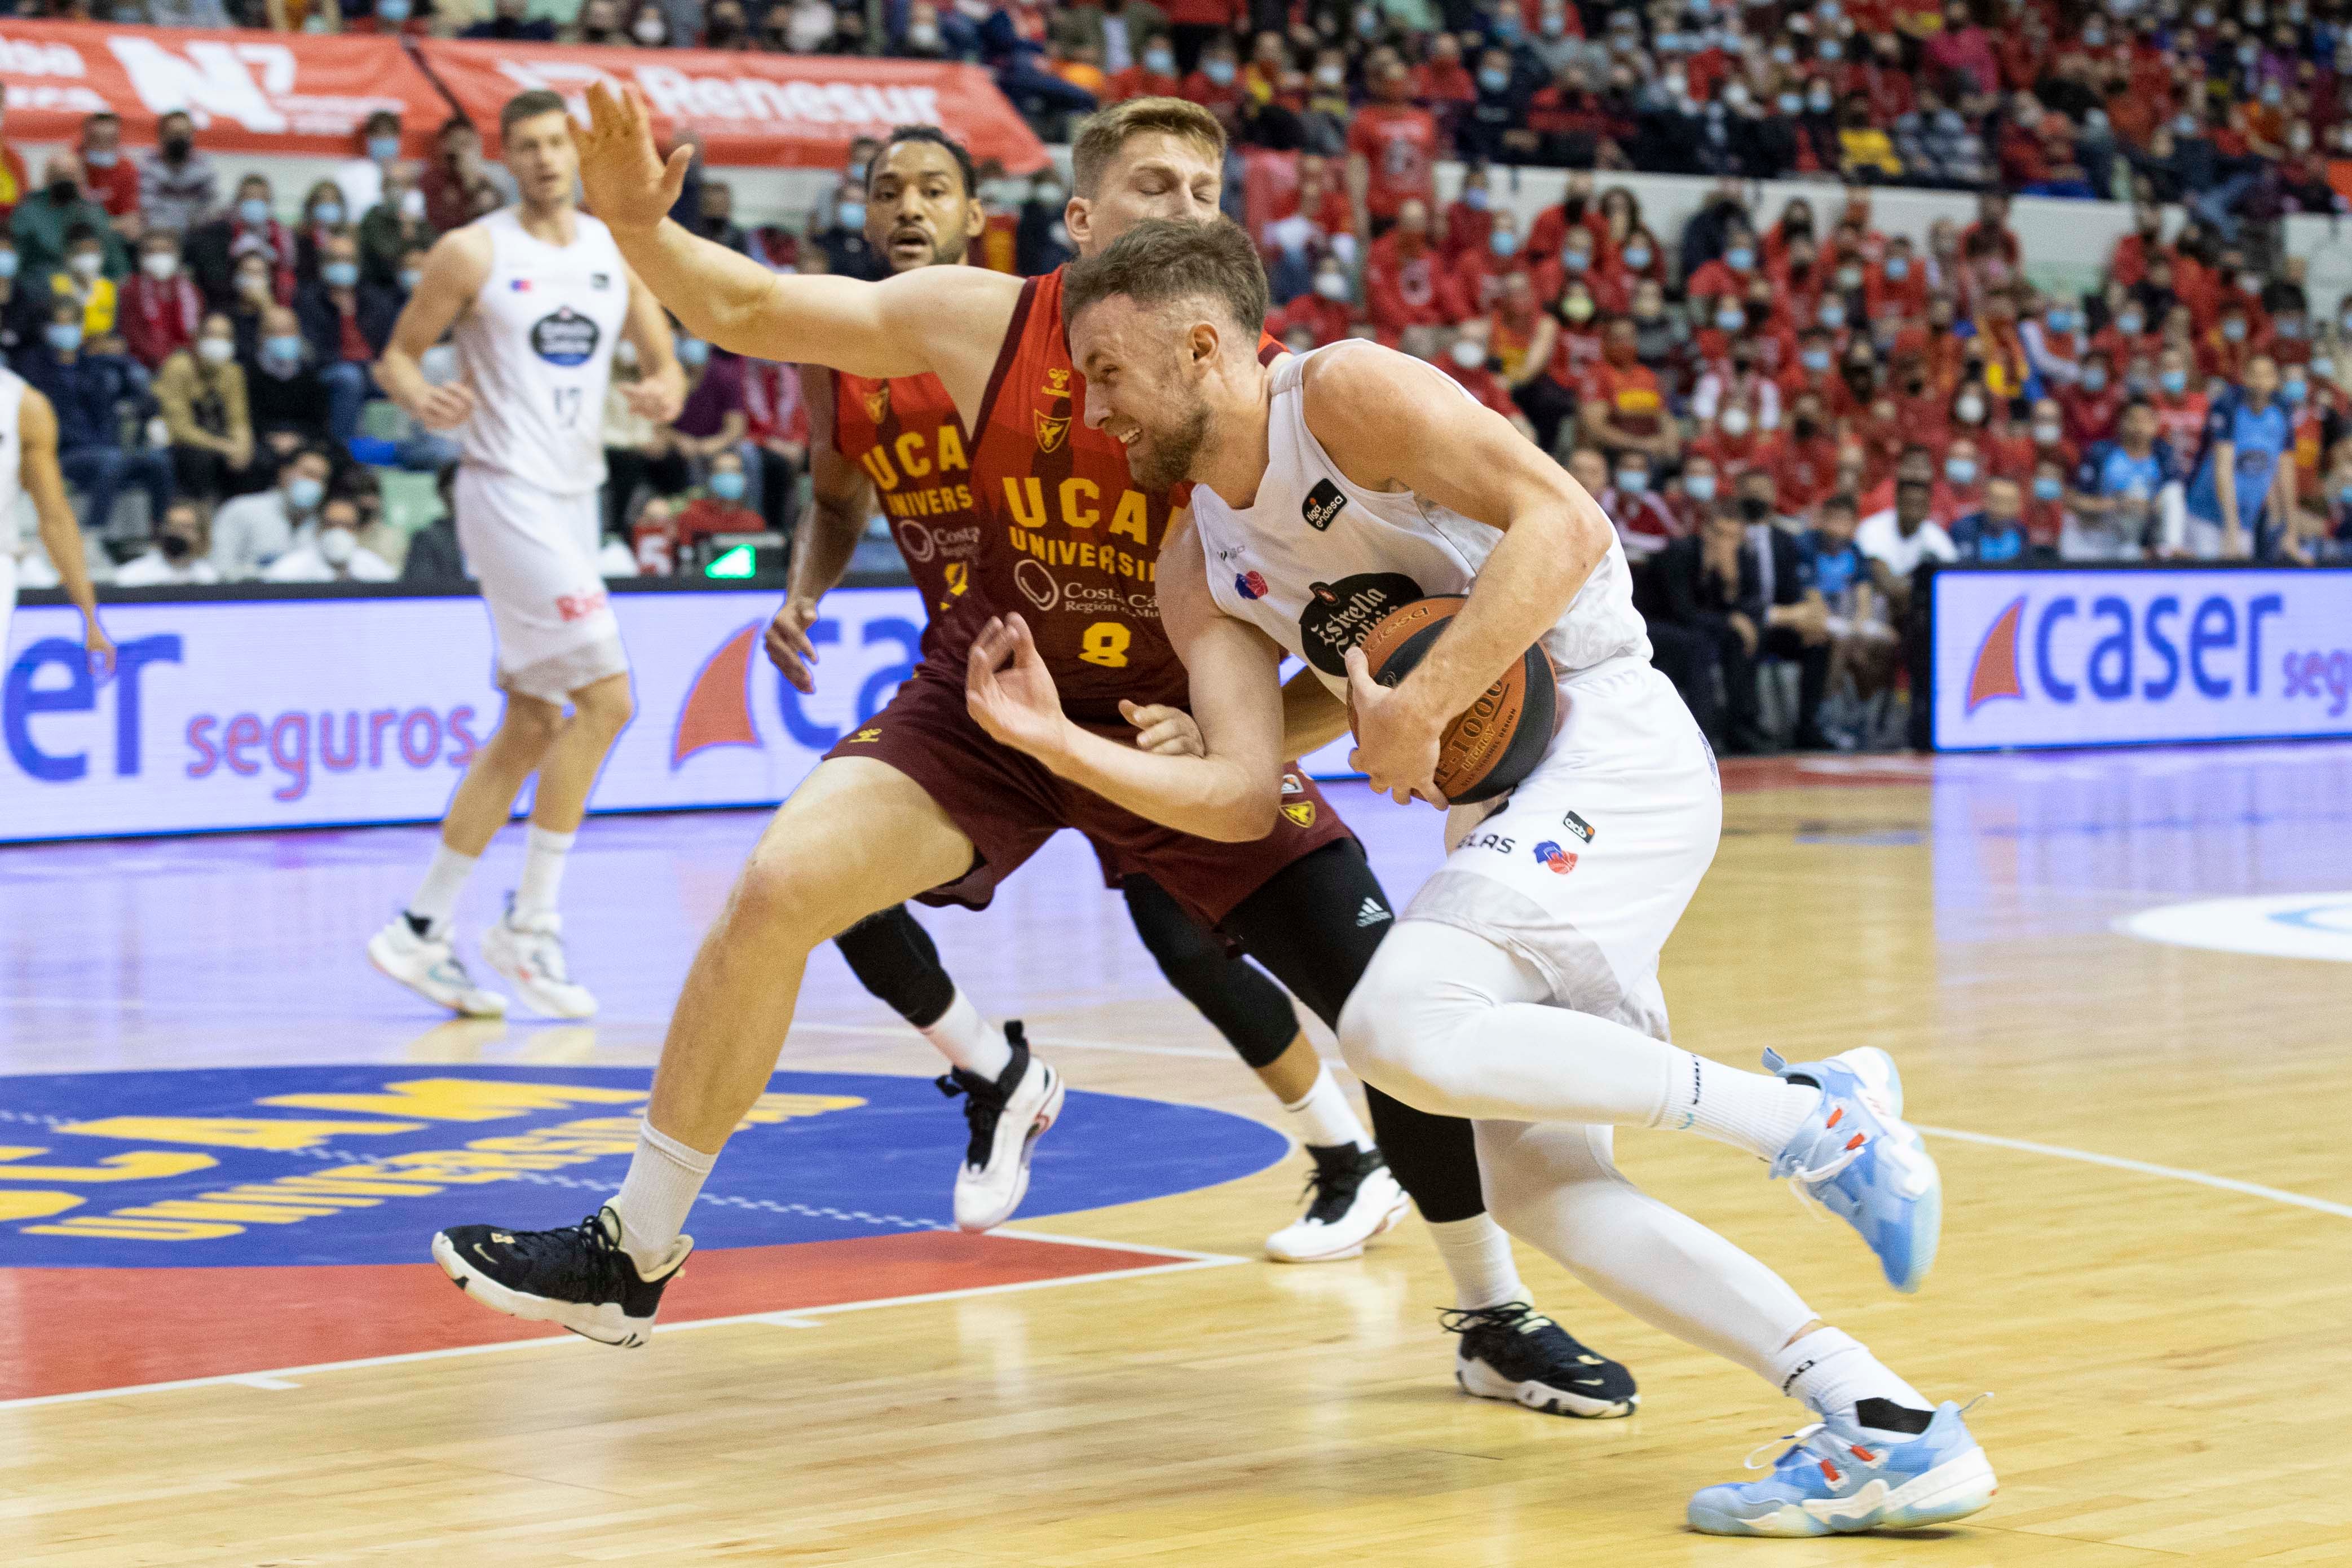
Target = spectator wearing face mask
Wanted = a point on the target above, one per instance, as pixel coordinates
(1994, 533)
(637, 452)
(288, 397)
(2088, 409)
(713, 418)
(113, 179)
(1408, 293)
(247, 234)
(177, 184)
(1041, 241)
(44, 220)
(455, 178)
(1326, 309)
(159, 310)
(840, 234)
(1118, 31)
(1152, 74)
(1478, 273)
(1469, 362)
(176, 559)
(83, 280)
(1215, 84)
(346, 323)
(252, 531)
(1392, 147)
(722, 508)
(361, 178)
(201, 391)
(91, 392)
(330, 552)
(1861, 644)
(1624, 408)
(510, 22)
(1644, 523)
(393, 228)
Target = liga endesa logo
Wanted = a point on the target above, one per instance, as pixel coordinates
(717, 706)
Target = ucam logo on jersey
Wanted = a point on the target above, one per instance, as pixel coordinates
(2120, 656)
(272, 713)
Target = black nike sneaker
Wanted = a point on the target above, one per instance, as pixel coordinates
(1513, 1351)
(579, 1276)
(1351, 1196)
(1005, 1117)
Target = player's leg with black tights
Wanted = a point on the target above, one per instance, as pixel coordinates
(1302, 926)
(1246, 1007)
(894, 957)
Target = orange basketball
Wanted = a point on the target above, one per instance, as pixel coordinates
(1497, 743)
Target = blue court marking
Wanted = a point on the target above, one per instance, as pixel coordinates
(852, 1155)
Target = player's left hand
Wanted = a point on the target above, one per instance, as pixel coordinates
(1009, 690)
(100, 647)
(1396, 744)
(1164, 731)
(656, 398)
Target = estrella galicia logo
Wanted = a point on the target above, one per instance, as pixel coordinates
(1339, 614)
(1579, 826)
(566, 338)
(1250, 584)
(1562, 862)
(1323, 503)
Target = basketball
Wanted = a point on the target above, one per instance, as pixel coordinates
(1498, 741)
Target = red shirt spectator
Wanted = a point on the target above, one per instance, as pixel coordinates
(1398, 144)
(1202, 13)
(1804, 470)
(1135, 81)
(114, 187)
(1328, 319)
(1549, 235)
(1483, 384)
(1405, 284)
(2090, 415)
(773, 413)
(1223, 100)
(1467, 224)
(158, 319)
(1720, 276)
(1736, 454)
(1445, 81)
(1628, 391)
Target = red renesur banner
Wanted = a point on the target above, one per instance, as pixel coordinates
(249, 92)
(792, 110)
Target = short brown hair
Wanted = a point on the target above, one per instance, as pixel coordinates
(1103, 135)
(529, 104)
(1161, 260)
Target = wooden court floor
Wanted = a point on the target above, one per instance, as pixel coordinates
(2147, 1253)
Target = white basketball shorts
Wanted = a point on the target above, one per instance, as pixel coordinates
(1583, 870)
(535, 554)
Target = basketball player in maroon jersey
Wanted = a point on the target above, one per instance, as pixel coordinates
(901, 443)
(921, 801)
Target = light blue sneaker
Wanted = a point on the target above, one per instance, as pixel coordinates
(1856, 1158)
(1839, 1480)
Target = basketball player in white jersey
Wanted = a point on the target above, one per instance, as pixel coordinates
(1520, 987)
(28, 467)
(537, 294)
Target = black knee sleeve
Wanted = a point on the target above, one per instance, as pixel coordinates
(1246, 1007)
(893, 957)
(1316, 925)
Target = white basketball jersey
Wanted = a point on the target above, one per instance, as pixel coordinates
(12, 458)
(1315, 561)
(537, 348)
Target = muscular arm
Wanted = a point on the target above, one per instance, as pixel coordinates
(826, 541)
(455, 271)
(895, 328)
(1231, 793)
(36, 424)
(1393, 424)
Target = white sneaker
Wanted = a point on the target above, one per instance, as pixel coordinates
(528, 952)
(1006, 1117)
(431, 968)
(1353, 1198)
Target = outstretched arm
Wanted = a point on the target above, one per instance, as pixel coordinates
(1393, 424)
(36, 424)
(1231, 793)
(934, 318)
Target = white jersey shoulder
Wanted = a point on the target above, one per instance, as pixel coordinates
(1315, 561)
(537, 349)
(12, 457)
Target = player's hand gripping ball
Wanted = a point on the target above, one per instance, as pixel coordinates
(1490, 748)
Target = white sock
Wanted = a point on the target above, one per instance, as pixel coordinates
(445, 879)
(542, 871)
(1326, 1120)
(664, 1176)
(1832, 1372)
(1477, 1253)
(969, 1041)
(1751, 1110)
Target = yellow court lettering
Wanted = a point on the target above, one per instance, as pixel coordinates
(460, 1099)
(229, 1131)
(139, 1165)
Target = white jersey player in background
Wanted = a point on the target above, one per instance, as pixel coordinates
(537, 294)
(1520, 987)
(28, 467)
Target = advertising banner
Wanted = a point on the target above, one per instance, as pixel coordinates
(791, 110)
(2119, 656)
(248, 90)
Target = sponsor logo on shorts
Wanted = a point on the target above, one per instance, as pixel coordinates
(1495, 841)
(870, 732)
(1323, 503)
(1291, 786)
(580, 606)
(1560, 861)
(566, 338)
(1579, 826)
(1339, 614)
(1301, 812)
(1250, 584)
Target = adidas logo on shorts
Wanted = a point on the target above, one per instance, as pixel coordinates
(1372, 913)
